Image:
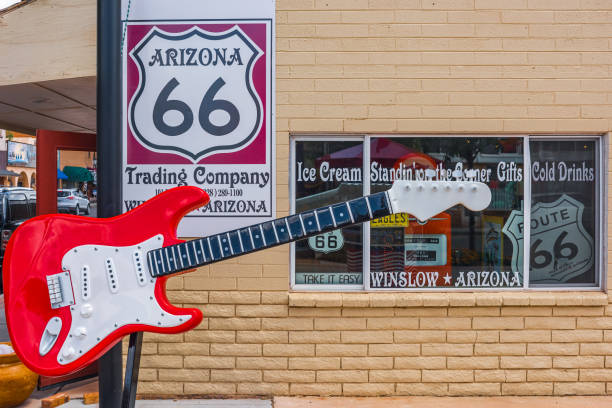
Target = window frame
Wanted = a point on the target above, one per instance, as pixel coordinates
(601, 202)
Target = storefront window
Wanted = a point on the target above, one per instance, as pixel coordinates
(456, 249)
(328, 172)
(564, 206)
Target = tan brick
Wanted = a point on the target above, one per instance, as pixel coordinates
(395, 376)
(262, 388)
(261, 363)
(183, 349)
(162, 337)
(315, 312)
(274, 298)
(234, 297)
(583, 336)
(594, 323)
(370, 389)
(446, 350)
(529, 311)
(578, 362)
(235, 376)
(289, 350)
(487, 336)
(591, 349)
(525, 362)
(367, 336)
(461, 336)
(210, 336)
(532, 388)
(448, 323)
(550, 323)
(515, 299)
(553, 349)
(433, 389)
(500, 376)
(395, 323)
(420, 362)
(475, 389)
(472, 363)
(341, 350)
(497, 323)
(182, 375)
(288, 323)
(367, 362)
(448, 376)
(355, 299)
(421, 311)
(262, 310)
(579, 311)
(262, 337)
(160, 388)
(315, 389)
(552, 375)
(419, 336)
(473, 311)
(535, 298)
(340, 324)
(435, 299)
(299, 376)
(595, 375)
(522, 336)
(235, 323)
(161, 361)
(314, 363)
(209, 362)
(208, 388)
(342, 376)
(462, 300)
(499, 349)
(393, 350)
(310, 337)
(580, 388)
(235, 349)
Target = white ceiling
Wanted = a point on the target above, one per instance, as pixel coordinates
(66, 105)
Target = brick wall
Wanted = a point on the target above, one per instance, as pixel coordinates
(406, 67)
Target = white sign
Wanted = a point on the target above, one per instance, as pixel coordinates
(327, 242)
(198, 101)
(561, 248)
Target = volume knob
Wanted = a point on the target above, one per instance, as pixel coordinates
(69, 353)
(86, 310)
(80, 332)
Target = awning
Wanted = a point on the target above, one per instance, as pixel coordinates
(61, 175)
(78, 173)
(8, 173)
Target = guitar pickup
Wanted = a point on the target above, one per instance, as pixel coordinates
(60, 290)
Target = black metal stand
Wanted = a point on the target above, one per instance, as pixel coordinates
(132, 367)
(109, 145)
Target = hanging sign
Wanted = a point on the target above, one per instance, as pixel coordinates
(198, 104)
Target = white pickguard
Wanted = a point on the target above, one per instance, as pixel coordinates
(117, 294)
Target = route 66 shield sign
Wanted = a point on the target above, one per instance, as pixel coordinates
(561, 248)
(195, 95)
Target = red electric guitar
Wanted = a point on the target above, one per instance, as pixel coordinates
(74, 286)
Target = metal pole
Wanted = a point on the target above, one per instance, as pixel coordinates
(109, 162)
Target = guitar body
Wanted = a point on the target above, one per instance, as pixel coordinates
(74, 286)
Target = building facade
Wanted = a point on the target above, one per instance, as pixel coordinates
(516, 93)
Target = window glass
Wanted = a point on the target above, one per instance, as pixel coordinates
(563, 213)
(457, 248)
(327, 172)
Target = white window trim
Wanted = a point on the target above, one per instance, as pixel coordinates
(602, 146)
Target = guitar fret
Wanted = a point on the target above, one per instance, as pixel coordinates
(360, 210)
(275, 233)
(229, 243)
(369, 208)
(302, 222)
(157, 257)
(180, 258)
(149, 264)
(316, 216)
(202, 249)
(348, 207)
(188, 256)
(212, 255)
(195, 253)
(166, 258)
(251, 235)
(246, 239)
(288, 229)
(263, 237)
(331, 211)
(225, 248)
(325, 221)
(240, 239)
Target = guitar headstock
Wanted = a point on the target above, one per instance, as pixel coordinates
(424, 199)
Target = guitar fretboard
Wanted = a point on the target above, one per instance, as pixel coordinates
(191, 254)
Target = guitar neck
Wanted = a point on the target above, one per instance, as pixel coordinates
(203, 251)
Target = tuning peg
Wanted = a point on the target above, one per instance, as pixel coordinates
(420, 187)
(460, 187)
(434, 188)
(474, 188)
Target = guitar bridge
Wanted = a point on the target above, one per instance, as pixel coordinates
(60, 290)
